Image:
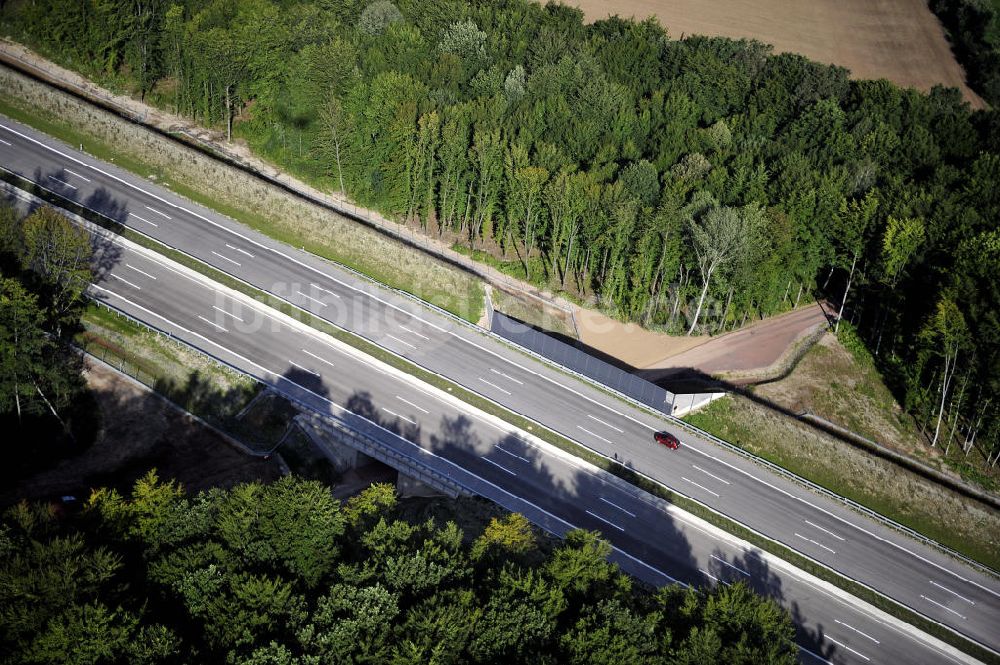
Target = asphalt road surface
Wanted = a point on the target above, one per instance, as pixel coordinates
(655, 540)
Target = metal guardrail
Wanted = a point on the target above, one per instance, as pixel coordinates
(914, 465)
(568, 355)
(850, 503)
(400, 231)
(365, 442)
(454, 486)
(878, 517)
(395, 458)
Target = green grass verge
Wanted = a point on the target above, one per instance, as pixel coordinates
(468, 305)
(725, 420)
(477, 401)
(173, 369)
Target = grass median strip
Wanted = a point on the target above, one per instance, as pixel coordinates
(521, 422)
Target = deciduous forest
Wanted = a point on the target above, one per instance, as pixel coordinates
(283, 574)
(689, 184)
(974, 31)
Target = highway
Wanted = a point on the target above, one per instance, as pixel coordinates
(918, 576)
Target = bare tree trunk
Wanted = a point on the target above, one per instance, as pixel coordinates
(701, 300)
(682, 279)
(958, 411)
(949, 371)
(799, 295)
(229, 117)
(843, 302)
(725, 310)
(340, 170)
(53, 410)
(826, 282)
(569, 255)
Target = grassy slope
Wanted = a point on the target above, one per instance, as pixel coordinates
(382, 259)
(70, 134)
(832, 383)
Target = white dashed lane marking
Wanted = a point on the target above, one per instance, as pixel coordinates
(142, 219)
(62, 182)
(161, 214)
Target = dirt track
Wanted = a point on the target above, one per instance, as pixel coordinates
(900, 40)
(755, 347)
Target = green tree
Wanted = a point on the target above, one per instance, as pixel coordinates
(719, 236)
(855, 219)
(523, 186)
(946, 333)
(59, 254)
(34, 377)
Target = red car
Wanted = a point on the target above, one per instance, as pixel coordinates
(667, 439)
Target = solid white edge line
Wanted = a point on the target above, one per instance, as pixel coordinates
(298, 262)
(481, 347)
(941, 647)
(846, 522)
(835, 593)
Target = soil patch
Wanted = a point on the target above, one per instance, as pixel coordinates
(755, 347)
(899, 40)
(628, 342)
